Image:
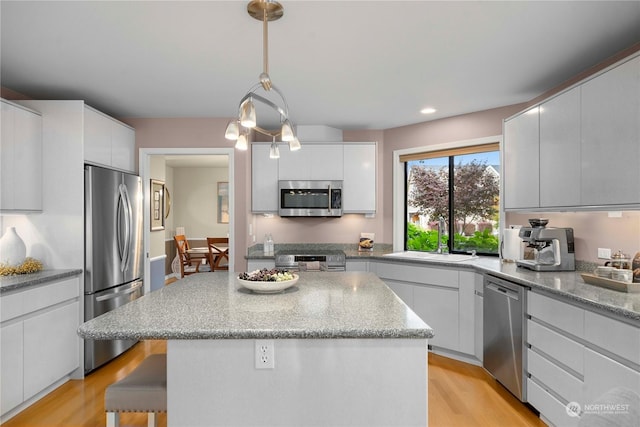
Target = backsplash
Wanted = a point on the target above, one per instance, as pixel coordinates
(592, 230)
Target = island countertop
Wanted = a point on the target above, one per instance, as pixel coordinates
(216, 306)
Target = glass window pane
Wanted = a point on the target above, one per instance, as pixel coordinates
(427, 200)
(476, 192)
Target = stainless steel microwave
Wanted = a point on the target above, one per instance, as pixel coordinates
(310, 198)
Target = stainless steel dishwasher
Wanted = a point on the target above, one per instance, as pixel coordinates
(503, 342)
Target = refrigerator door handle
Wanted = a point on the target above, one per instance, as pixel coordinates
(126, 206)
(115, 295)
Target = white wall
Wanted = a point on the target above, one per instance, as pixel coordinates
(156, 238)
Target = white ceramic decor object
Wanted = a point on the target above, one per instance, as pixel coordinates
(12, 249)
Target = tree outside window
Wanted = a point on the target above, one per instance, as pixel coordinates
(464, 190)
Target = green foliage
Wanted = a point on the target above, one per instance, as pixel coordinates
(427, 241)
(422, 240)
(481, 241)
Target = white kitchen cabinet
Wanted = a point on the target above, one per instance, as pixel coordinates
(359, 186)
(11, 366)
(39, 342)
(357, 265)
(438, 308)
(610, 117)
(479, 317)
(319, 161)
(20, 159)
(602, 374)
(521, 158)
(258, 264)
(108, 142)
(404, 291)
(560, 150)
(264, 180)
(53, 335)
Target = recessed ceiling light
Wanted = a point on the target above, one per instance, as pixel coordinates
(428, 110)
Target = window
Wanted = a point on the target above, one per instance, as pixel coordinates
(459, 186)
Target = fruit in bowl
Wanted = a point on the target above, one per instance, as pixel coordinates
(268, 280)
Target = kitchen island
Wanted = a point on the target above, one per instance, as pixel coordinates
(347, 351)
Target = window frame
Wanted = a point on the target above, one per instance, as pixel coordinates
(399, 182)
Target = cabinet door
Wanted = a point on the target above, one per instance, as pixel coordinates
(11, 367)
(611, 137)
(264, 180)
(359, 186)
(521, 159)
(438, 308)
(311, 162)
(404, 291)
(123, 144)
(357, 265)
(466, 304)
(97, 137)
(21, 159)
(603, 374)
(51, 347)
(560, 150)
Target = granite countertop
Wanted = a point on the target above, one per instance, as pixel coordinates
(215, 306)
(20, 281)
(567, 285)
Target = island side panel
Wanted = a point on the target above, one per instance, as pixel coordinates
(373, 382)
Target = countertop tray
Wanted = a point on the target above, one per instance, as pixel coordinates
(616, 285)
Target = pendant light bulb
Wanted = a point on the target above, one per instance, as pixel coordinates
(274, 152)
(248, 114)
(232, 133)
(287, 131)
(294, 144)
(241, 143)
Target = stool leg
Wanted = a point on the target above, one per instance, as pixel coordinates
(152, 419)
(113, 419)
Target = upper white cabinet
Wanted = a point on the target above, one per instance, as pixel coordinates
(20, 159)
(108, 142)
(359, 186)
(353, 163)
(582, 148)
(611, 137)
(560, 150)
(264, 180)
(522, 161)
(321, 161)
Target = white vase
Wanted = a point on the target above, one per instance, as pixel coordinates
(12, 248)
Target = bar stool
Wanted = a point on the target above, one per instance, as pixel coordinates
(143, 390)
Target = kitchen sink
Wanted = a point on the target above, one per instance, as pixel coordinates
(430, 256)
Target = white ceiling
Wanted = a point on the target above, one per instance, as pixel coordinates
(346, 64)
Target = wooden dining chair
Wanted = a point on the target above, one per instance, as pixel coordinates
(218, 251)
(188, 265)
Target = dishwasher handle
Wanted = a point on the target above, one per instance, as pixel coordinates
(507, 292)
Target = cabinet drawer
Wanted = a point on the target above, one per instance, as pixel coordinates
(559, 314)
(560, 381)
(550, 407)
(418, 274)
(613, 335)
(23, 302)
(602, 375)
(557, 346)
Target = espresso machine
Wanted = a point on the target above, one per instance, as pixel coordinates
(552, 248)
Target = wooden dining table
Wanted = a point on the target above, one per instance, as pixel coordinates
(203, 252)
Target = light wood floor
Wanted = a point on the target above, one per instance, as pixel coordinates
(460, 395)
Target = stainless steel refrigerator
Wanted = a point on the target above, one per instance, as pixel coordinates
(113, 252)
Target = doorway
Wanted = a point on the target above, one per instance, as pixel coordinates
(203, 207)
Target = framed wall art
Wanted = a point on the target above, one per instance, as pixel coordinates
(157, 205)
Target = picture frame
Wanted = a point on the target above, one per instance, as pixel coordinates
(223, 202)
(157, 209)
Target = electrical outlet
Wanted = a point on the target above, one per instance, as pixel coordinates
(265, 354)
(604, 253)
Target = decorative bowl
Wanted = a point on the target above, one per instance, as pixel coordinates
(263, 287)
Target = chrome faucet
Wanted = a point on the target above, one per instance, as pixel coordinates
(441, 227)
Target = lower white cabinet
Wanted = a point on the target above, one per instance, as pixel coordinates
(576, 356)
(444, 298)
(478, 313)
(11, 366)
(39, 345)
(357, 265)
(258, 264)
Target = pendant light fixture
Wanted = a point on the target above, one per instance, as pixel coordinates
(238, 130)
